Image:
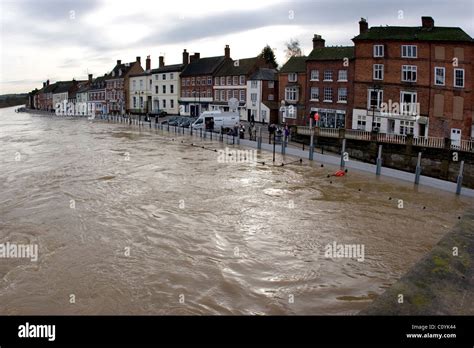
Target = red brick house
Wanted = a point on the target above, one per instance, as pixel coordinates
(330, 76)
(292, 92)
(414, 80)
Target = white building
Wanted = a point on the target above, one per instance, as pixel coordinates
(166, 87)
(262, 95)
(141, 93)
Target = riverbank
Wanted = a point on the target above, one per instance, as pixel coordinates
(441, 283)
(330, 159)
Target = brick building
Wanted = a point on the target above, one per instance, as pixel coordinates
(117, 86)
(292, 91)
(414, 80)
(197, 81)
(330, 76)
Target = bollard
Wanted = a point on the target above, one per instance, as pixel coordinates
(200, 132)
(418, 169)
(259, 142)
(311, 142)
(343, 151)
(459, 180)
(379, 161)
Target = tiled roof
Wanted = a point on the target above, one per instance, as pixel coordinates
(265, 74)
(239, 67)
(203, 66)
(294, 64)
(415, 34)
(332, 53)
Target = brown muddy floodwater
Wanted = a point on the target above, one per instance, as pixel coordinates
(203, 237)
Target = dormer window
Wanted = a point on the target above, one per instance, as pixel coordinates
(292, 77)
(120, 72)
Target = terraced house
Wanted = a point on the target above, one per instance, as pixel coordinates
(292, 90)
(141, 90)
(166, 87)
(197, 83)
(330, 72)
(262, 96)
(414, 80)
(117, 86)
(96, 95)
(230, 81)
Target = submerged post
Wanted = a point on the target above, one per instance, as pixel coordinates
(418, 169)
(379, 161)
(259, 141)
(343, 154)
(459, 181)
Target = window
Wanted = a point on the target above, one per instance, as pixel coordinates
(209, 80)
(409, 51)
(378, 72)
(327, 75)
(378, 51)
(408, 103)
(171, 89)
(235, 80)
(156, 77)
(242, 79)
(271, 97)
(342, 95)
(164, 89)
(459, 78)
(156, 89)
(183, 82)
(164, 103)
(271, 84)
(375, 99)
(253, 84)
(407, 127)
(172, 103)
(291, 94)
(293, 77)
(314, 75)
(342, 75)
(198, 81)
(209, 93)
(134, 102)
(440, 76)
(222, 81)
(216, 81)
(134, 85)
(192, 81)
(377, 123)
(361, 122)
(216, 95)
(327, 94)
(242, 95)
(163, 77)
(315, 93)
(141, 84)
(141, 102)
(253, 97)
(229, 80)
(229, 94)
(409, 73)
(223, 96)
(235, 94)
(171, 76)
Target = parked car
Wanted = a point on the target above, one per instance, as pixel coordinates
(171, 120)
(162, 114)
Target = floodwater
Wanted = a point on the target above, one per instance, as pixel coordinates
(131, 221)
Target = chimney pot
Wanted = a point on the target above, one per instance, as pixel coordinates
(162, 61)
(363, 26)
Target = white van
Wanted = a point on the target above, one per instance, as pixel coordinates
(226, 120)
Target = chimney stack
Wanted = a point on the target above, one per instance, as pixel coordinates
(119, 62)
(227, 52)
(185, 57)
(44, 84)
(47, 82)
(148, 63)
(90, 77)
(363, 26)
(139, 60)
(427, 22)
(162, 61)
(195, 57)
(318, 41)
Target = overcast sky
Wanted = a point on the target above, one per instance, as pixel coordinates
(65, 39)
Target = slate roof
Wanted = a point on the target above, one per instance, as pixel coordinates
(125, 67)
(332, 53)
(168, 68)
(244, 67)
(63, 86)
(97, 81)
(294, 64)
(415, 34)
(265, 74)
(51, 87)
(203, 66)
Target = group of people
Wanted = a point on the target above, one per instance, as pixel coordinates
(278, 131)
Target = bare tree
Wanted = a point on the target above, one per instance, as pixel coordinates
(293, 49)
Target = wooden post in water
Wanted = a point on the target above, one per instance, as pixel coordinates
(418, 169)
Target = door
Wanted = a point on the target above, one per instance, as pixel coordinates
(391, 126)
(193, 110)
(455, 137)
(421, 130)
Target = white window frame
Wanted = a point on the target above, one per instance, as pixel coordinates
(379, 98)
(463, 78)
(403, 105)
(327, 73)
(377, 68)
(271, 84)
(344, 72)
(378, 51)
(242, 79)
(443, 69)
(409, 51)
(342, 98)
(315, 75)
(290, 92)
(408, 70)
(314, 92)
(292, 77)
(327, 89)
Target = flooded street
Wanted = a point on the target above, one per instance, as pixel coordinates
(131, 221)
